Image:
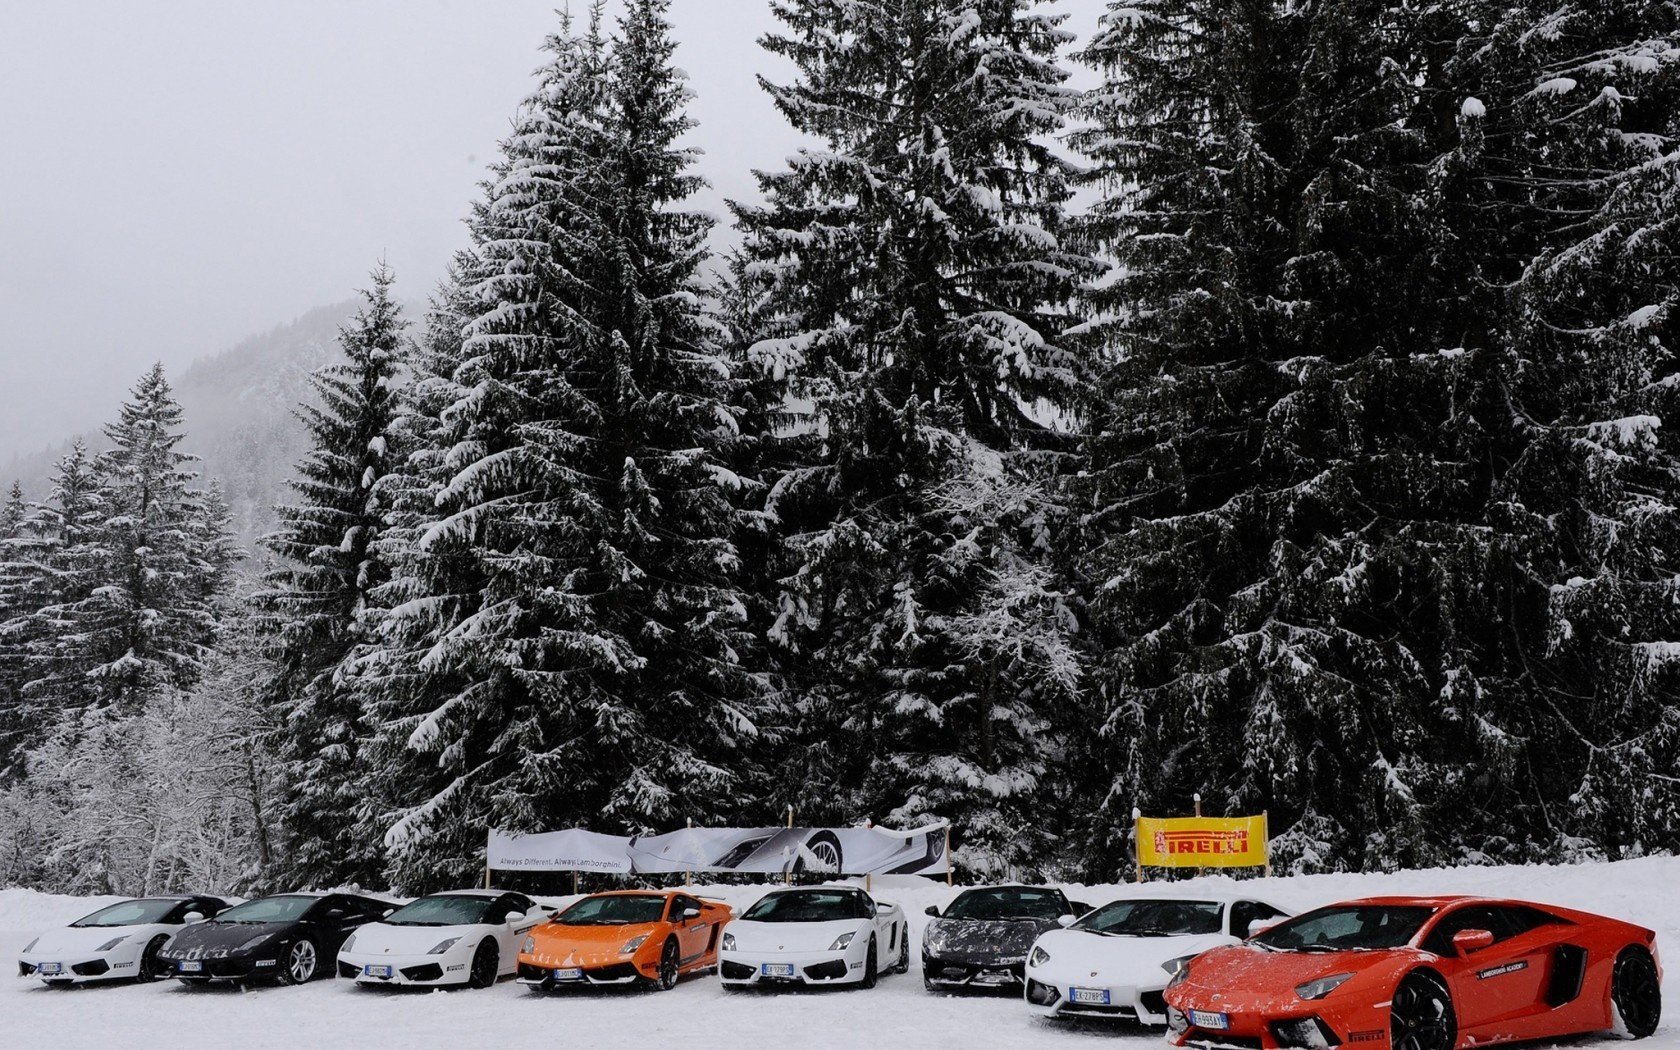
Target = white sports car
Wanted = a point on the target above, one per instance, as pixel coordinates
(1117, 960)
(461, 937)
(814, 935)
(117, 942)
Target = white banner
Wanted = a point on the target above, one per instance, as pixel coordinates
(765, 851)
(571, 850)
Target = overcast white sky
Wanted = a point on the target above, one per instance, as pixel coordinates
(178, 174)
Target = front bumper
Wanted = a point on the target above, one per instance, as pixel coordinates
(785, 968)
(78, 969)
(452, 967)
(974, 974)
(1058, 993)
(236, 968)
(544, 975)
(1296, 1029)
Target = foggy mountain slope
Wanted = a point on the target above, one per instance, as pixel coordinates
(240, 417)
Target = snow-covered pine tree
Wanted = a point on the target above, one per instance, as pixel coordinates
(318, 594)
(150, 622)
(20, 571)
(917, 289)
(1577, 134)
(565, 641)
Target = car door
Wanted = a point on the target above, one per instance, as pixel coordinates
(1491, 985)
(693, 933)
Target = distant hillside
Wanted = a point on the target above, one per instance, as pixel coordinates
(239, 408)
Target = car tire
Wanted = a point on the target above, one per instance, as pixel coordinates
(1635, 994)
(300, 962)
(486, 965)
(825, 845)
(903, 950)
(869, 974)
(151, 967)
(1421, 1015)
(668, 966)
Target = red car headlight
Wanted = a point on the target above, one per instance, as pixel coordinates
(1321, 987)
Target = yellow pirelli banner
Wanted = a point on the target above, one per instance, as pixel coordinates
(1202, 842)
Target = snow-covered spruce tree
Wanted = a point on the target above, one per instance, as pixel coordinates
(56, 566)
(150, 622)
(565, 642)
(1579, 140)
(1303, 567)
(318, 594)
(916, 292)
(20, 572)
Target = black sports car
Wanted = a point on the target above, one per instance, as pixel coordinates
(981, 939)
(290, 938)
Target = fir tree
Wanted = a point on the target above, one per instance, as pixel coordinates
(916, 293)
(319, 595)
(566, 639)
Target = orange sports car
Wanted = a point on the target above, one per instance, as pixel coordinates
(625, 937)
(1420, 973)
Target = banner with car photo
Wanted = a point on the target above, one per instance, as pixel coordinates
(766, 851)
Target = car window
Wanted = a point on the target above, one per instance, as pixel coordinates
(813, 905)
(1246, 913)
(1153, 918)
(1347, 927)
(618, 910)
(288, 908)
(1495, 920)
(129, 913)
(520, 903)
(1007, 902)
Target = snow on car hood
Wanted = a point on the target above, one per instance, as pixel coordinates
(379, 939)
(991, 939)
(1134, 959)
(86, 939)
(791, 936)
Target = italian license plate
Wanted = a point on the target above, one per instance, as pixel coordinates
(1204, 1019)
(776, 970)
(573, 974)
(1089, 996)
(376, 971)
(52, 967)
(191, 966)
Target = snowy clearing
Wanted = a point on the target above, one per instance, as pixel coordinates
(698, 1013)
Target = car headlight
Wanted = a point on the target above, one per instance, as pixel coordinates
(443, 946)
(253, 943)
(112, 943)
(1321, 987)
(31, 945)
(349, 944)
(1038, 957)
(529, 946)
(841, 942)
(1178, 965)
(632, 944)
(729, 942)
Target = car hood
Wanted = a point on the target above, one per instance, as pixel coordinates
(791, 936)
(377, 938)
(1246, 977)
(983, 938)
(1137, 959)
(213, 939)
(87, 939)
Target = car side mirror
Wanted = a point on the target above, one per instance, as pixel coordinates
(881, 907)
(192, 916)
(1080, 907)
(1258, 926)
(1066, 920)
(1466, 941)
(933, 910)
(513, 917)
(690, 912)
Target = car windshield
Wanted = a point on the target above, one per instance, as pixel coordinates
(1007, 904)
(614, 911)
(1153, 918)
(269, 909)
(129, 913)
(452, 910)
(807, 906)
(1347, 928)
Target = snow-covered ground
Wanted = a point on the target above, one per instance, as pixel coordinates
(334, 1013)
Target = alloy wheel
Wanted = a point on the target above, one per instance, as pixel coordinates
(300, 962)
(486, 961)
(668, 966)
(1421, 1015)
(1636, 994)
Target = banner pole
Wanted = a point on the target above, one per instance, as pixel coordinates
(574, 882)
(788, 875)
(1137, 843)
(866, 878)
(688, 876)
(948, 869)
(487, 836)
(1266, 837)
(1198, 798)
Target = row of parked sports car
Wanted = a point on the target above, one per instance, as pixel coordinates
(1217, 970)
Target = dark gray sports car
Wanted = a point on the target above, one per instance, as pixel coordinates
(289, 938)
(981, 939)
